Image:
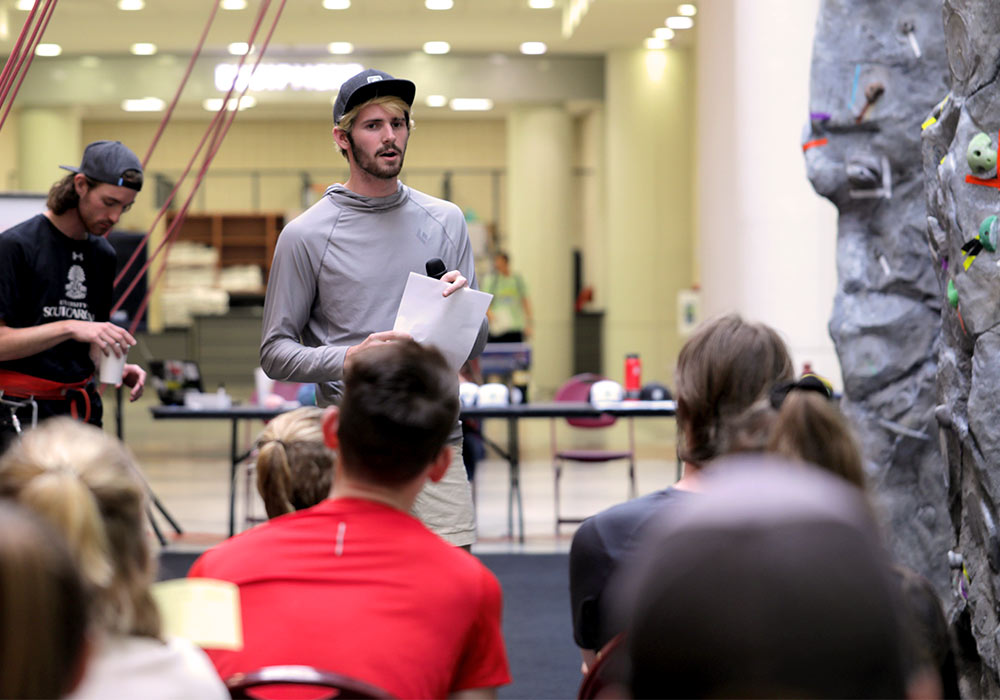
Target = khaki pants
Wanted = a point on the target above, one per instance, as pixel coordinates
(446, 506)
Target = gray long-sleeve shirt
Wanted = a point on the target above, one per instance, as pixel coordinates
(338, 275)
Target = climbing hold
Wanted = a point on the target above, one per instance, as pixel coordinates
(988, 233)
(952, 294)
(982, 156)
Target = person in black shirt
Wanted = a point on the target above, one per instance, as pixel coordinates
(56, 277)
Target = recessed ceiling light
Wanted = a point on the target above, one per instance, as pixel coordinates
(534, 48)
(24, 5)
(687, 10)
(471, 104)
(654, 44)
(131, 5)
(143, 48)
(436, 101)
(48, 50)
(679, 22)
(234, 4)
(238, 48)
(336, 4)
(214, 104)
(541, 4)
(665, 33)
(143, 104)
(340, 47)
(439, 4)
(437, 47)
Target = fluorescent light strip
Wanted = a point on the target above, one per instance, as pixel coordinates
(144, 104)
(234, 4)
(48, 50)
(238, 48)
(471, 104)
(664, 33)
(336, 4)
(436, 101)
(687, 10)
(439, 4)
(680, 22)
(131, 5)
(437, 47)
(541, 4)
(143, 49)
(534, 48)
(340, 48)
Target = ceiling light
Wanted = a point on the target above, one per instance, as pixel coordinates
(687, 10)
(214, 104)
(336, 4)
(144, 104)
(436, 101)
(534, 48)
(541, 4)
(437, 47)
(439, 4)
(25, 5)
(680, 22)
(654, 44)
(143, 48)
(48, 50)
(340, 47)
(239, 48)
(471, 104)
(664, 33)
(234, 4)
(131, 5)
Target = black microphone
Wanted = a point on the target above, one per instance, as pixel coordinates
(435, 268)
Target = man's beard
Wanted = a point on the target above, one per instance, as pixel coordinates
(372, 165)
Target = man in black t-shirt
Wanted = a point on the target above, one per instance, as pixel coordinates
(56, 277)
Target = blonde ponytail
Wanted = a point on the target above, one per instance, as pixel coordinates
(294, 465)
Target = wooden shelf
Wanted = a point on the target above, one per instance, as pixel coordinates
(241, 238)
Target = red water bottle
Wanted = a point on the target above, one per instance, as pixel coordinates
(633, 375)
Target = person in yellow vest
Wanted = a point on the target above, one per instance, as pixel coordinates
(510, 312)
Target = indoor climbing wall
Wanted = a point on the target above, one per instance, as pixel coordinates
(963, 201)
(878, 69)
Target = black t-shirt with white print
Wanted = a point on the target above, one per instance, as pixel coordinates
(47, 276)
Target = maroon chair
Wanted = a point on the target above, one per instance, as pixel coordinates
(254, 683)
(606, 677)
(577, 389)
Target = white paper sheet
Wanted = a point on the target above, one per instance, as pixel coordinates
(450, 323)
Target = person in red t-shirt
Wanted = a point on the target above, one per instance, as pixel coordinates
(356, 585)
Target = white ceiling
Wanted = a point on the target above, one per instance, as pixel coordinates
(97, 27)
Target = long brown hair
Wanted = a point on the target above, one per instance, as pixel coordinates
(723, 369)
(80, 480)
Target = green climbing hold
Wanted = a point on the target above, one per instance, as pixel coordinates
(988, 233)
(982, 156)
(952, 294)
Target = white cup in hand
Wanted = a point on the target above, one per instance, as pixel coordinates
(112, 367)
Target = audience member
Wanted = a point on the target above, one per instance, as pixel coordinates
(723, 369)
(43, 609)
(294, 465)
(81, 481)
(772, 583)
(356, 585)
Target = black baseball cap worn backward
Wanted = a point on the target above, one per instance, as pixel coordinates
(107, 161)
(367, 85)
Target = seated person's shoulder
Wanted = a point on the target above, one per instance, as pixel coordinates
(622, 522)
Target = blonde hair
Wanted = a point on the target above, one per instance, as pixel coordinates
(80, 480)
(294, 465)
(43, 609)
(393, 104)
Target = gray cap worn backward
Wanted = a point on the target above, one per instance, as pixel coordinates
(107, 161)
(367, 85)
